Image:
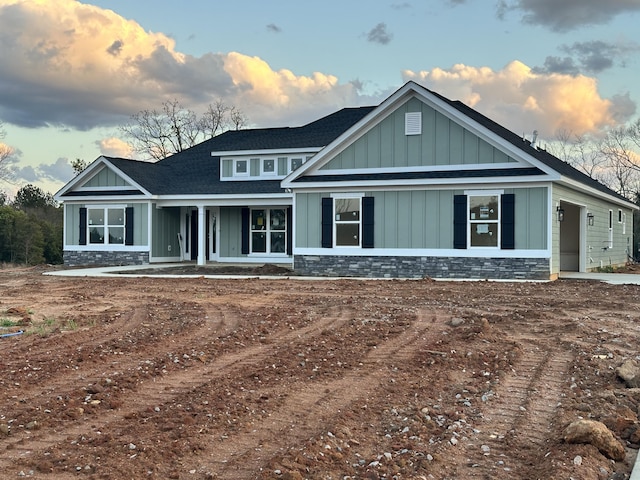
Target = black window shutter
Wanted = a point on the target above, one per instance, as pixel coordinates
(289, 232)
(83, 226)
(507, 222)
(367, 222)
(245, 230)
(459, 221)
(128, 226)
(327, 222)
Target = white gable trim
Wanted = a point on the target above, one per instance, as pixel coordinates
(93, 169)
(409, 90)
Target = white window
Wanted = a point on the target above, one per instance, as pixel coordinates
(624, 223)
(484, 220)
(241, 168)
(269, 230)
(268, 166)
(296, 163)
(106, 225)
(347, 225)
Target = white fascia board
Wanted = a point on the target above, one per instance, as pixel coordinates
(485, 182)
(223, 200)
(270, 152)
(581, 187)
(106, 199)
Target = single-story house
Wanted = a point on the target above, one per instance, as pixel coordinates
(417, 186)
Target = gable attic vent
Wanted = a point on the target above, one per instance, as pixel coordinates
(413, 123)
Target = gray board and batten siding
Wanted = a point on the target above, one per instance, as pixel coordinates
(423, 219)
(442, 142)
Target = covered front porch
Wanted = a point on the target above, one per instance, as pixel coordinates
(256, 232)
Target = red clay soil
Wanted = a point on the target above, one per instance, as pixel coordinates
(198, 378)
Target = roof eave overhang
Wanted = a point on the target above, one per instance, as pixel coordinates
(422, 183)
(270, 151)
(224, 200)
(597, 193)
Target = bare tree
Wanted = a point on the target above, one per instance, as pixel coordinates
(610, 160)
(620, 148)
(238, 119)
(5, 153)
(158, 134)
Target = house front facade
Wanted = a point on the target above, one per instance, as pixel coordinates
(417, 186)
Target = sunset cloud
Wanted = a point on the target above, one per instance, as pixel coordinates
(115, 147)
(524, 101)
(79, 66)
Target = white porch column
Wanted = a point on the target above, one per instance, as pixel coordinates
(202, 237)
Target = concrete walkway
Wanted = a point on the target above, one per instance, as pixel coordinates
(132, 270)
(612, 278)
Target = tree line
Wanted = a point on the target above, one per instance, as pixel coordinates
(30, 228)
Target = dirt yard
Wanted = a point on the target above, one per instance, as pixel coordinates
(197, 378)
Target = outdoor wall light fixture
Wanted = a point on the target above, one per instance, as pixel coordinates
(590, 219)
(560, 212)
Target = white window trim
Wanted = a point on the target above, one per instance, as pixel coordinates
(343, 196)
(106, 225)
(498, 221)
(267, 231)
(263, 172)
(236, 161)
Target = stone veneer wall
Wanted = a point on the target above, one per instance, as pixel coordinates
(100, 258)
(421, 267)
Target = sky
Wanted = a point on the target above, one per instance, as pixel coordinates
(72, 71)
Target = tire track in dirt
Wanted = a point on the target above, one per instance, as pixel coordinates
(58, 381)
(521, 413)
(311, 409)
(154, 392)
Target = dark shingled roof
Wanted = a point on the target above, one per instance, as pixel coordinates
(195, 172)
(563, 168)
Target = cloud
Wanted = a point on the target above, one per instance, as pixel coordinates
(115, 147)
(70, 64)
(523, 100)
(588, 57)
(379, 34)
(57, 172)
(565, 15)
(60, 170)
(280, 97)
(273, 28)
